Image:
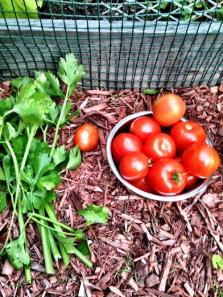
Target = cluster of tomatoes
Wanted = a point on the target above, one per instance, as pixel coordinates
(163, 154)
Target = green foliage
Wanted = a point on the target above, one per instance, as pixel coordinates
(32, 105)
(29, 167)
(95, 214)
(217, 262)
(70, 72)
(60, 155)
(20, 8)
(3, 203)
(220, 14)
(74, 158)
(19, 82)
(17, 253)
(218, 291)
(150, 92)
(83, 247)
(48, 83)
(184, 10)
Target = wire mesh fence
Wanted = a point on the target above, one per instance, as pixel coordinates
(122, 44)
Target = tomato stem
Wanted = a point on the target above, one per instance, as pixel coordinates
(176, 177)
(150, 162)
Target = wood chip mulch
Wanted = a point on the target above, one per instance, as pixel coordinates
(147, 248)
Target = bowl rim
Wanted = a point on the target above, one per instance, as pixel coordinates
(198, 189)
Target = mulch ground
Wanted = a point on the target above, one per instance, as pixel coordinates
(148, 248)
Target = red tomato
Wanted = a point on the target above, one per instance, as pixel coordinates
(178, 158)
(186, 133)
(200, 160)
(141, 184)
(144, 127)
(86, 137)
(191, 181)
(159, 146)
(134, 166)
(168, 109)
(125, 143)
(167, 177)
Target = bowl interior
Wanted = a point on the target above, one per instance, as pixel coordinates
(123, 126)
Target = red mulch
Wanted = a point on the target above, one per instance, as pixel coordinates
(147, 248)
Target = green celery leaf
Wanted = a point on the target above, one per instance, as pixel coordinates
(217, 261)
(36, 199)
(48, 83)
(21, 81)
(21, 9)
(42, 164)
(26, 91)
(19, 145)
(50, 196)
(2, 175)
(27, 176)
(38, 147)
(49, 182)
(9, 170)
(3, 203)
(83, 247)
(54, 113)
(79, 234)
(39, 199)
(6, 105)
(17, 253)
(32, 105)
(74, 158)
(70, 72)
(95, 214)
(54, 83)
(41, 82)
(60, 154)
(9, 132)
(27, 202)
(66, 242)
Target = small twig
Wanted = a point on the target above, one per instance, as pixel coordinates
(184, 215)
(165, 273)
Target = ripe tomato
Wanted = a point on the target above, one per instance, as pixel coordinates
(134, 166)
(167, 177)
(125, 143)
(168, 109)
(200, 160)
(86, 137)
(159, 146)
(186, 133)
(191, 181)
(141, 184)
(144, 127)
